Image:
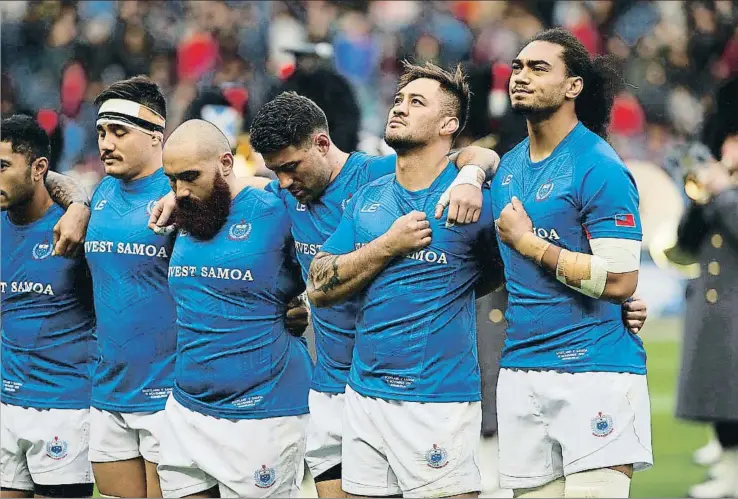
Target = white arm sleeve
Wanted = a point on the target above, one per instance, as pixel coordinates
(620, 255)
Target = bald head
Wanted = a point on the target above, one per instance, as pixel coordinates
(195, 155)
(199, 139)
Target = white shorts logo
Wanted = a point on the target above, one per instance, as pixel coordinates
(265, 477)
(437, 457)
(56, 449)
(601, 425)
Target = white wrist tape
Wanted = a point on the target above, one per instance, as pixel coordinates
(588, 273)
(584, 273)
(468, 175)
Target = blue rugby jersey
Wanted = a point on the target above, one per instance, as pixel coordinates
(582, 191)
(47, 319)
(416, 327)
(136, 318)
(312, 225)
(235, 358)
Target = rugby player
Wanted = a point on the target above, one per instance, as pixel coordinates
(135, 311)
(572, 399)
(237, 417)
(47, 331)
(316, 180)
(412, 416)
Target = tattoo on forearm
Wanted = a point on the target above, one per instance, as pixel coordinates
(327, 273)
(65, 190)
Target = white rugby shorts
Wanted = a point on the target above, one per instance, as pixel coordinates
(325, 430)
(118, 436)
(415, 449)
(553, 424)
(243, 457)
(43, 446)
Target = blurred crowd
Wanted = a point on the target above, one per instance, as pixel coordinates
(220, 60)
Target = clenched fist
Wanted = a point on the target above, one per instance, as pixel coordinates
(513, 223)
(409, 233)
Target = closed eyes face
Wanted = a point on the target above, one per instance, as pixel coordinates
(188, 178)
(303, 170)
(122, 149)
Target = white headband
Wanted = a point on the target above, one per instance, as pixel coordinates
(130, 114)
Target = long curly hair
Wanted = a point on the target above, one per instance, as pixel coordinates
(601, 77)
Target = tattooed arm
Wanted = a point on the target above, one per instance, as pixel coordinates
(69, 232)
(334, 278)
(65, 190)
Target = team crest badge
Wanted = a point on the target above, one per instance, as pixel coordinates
(437, 457)
(56, 449)
(601, 425)
(265, 477)
(42, 250)
(150, 207)
(239, 232)
(544, 191)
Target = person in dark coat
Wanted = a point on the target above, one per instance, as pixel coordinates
(708, 385)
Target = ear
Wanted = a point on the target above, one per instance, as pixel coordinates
(575, 87)
(226, 164)
(449, 126)
(39, 169)
(157, 139)
(323, 142)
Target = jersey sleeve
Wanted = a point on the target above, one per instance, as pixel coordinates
(380, 166)
(273, 187)
(609, 198)
(343, 239)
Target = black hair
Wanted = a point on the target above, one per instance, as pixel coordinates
(454, 84)
(26, 137)
(332, 92)
(287, 120)
(600, 76)
(138, 89)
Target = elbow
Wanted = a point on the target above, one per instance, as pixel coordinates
(621, 290)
